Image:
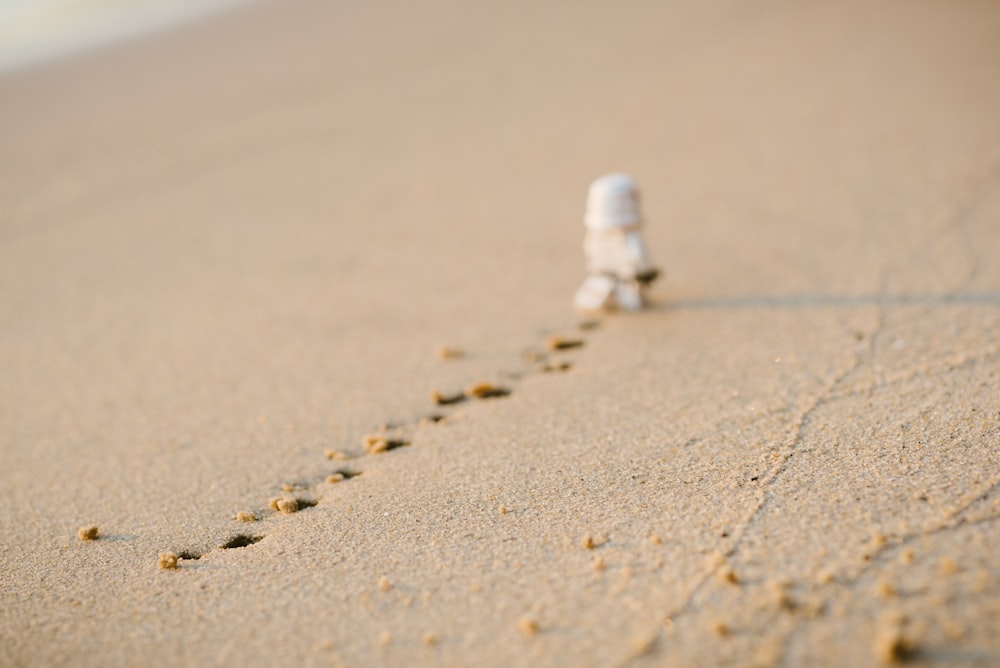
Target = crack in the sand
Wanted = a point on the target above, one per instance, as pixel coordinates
(953, 517)
(738, 535)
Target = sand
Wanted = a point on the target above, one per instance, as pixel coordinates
(228, 249)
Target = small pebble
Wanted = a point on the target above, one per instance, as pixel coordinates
(87, 533)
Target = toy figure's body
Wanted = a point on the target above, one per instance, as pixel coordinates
(618, 265)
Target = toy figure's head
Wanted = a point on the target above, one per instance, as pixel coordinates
(612, 202)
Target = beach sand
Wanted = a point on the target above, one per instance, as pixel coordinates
(228, 249)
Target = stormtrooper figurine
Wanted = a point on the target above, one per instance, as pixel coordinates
(618, 266)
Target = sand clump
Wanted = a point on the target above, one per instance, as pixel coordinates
(777, 593)
(892, 645)
(485, 390)
(449, 353)
(533, 356)
(245, 516)
(442, 399)
(728, 576)
(643, 645)
(380, 442)
(284, 504)
(719, 628)
(167, 560)
(528, 626)
(592, 542)
(341, 475)
(884, 589)
(555, 366)
(947, 566)
(432, 419)
(562, 343)
(88, 533)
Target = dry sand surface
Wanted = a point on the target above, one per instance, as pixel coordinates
(230, 248)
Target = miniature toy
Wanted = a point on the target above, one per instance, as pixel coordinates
(618, 265)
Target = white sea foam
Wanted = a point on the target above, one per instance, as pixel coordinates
(35, 31)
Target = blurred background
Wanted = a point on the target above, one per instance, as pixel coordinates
(36, 31)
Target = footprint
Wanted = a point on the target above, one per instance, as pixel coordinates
(555, 365)
(289, 505)
(295, 486)
(341, 475)
(240, 540)
(485, 390)
(442, 399)
(377, 443)
(562, 343)
(394, 435)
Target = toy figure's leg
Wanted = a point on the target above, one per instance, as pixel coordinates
(628, 295)
(594, 294)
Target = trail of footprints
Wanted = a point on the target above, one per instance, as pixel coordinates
(298, 496)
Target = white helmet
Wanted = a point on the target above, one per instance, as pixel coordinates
(612, 201)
